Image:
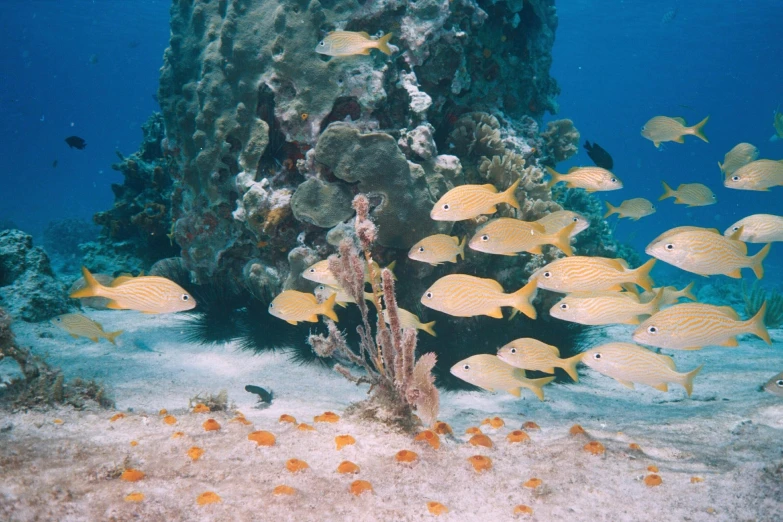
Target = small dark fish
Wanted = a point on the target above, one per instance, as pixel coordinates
(600, 157)
(76, 142)
(265, 396)
(54, 164)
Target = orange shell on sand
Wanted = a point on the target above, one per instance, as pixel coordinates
(134, 443)
(480, 439)
(653, 480)
(523, 510)
(360, 486)
(57, 421)
(653, 468)
(164, 411)
(533, 483)
(442, 428)
(211, 425)
(576, 429)
(134, 497)
(287, 418)
(406, 456)
(696, 480)
(132, 475)
(634, 446)
(344, 440)
(242, 420)
(201, 408)
(517, 436)
(495, 422)
(430, 437)
(170, 420)
(472, 430)
(208, 497)
(195, 453)
(480, 463)
(117, 416)
(178, 435)
(347, 466)
(530, 425)
(594, 447)
(436, 508)
(327, 416)
(283, 490)
(296, 465)
(262, 438)
(305, 427)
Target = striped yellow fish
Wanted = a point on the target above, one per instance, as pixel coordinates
(628, 364)
(586, 274)
(411, 320)
(608, 308)
(437, 249)
(320, 273)
(490, 373)
(757, 175)
(664, 128)
(348, 43)
(706, 253)
(323, 292)
(508, 236)
(532, 354)
(469, 201)
(692, 326)
(739, 156)
(670, 295)
(292, 307)
(631, 208)
(758, 228)
(463, 295)
(148, 294)
(691, 194)
(558, 220)
(78, 325)
(592, 179)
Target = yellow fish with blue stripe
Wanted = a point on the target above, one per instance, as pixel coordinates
(592, 179)
(509, 236)
(490, 373)
(590, 274)
(78, 325)
(293, 306)
(464, 295)
(349, 43)
(691, 194)
(664, 128)
(635, 209)
(437, 249)
(532, 354)
(469, 201)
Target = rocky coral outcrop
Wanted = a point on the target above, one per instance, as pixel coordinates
(561, 139)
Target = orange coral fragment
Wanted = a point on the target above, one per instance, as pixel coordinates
(178, 434)
(530, 425)
(406, 456)
(262, 438)
(201, 408)
(653, 468)
(472, 430)
(523, 510)
(480, 463)
(653, 480)
(594, 447)
(634, 446)
(296, 465)
(305, 427)
(117, 416)
(132, 475)
(170, 420)
(436, 508)
(134, 443)
(696, 480)
(195, 453)
(481, 440)
(344, 440)
(287, 418)
(517, 436)
(327, 416)
(208, 497)
(134, 497)
(283, 490)
(164, 411)
(57, 421)
(346, 467)
(533, 483)
(359, 487)
(211, 425)
(495, 422)
(430, 437)
(242, 420)
(576, 429)
(442, 428)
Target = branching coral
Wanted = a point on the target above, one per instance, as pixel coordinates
(398, 382)
(477, 133)
(757, 296)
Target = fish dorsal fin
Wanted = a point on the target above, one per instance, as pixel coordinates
(737, 234)
(729, 311)
(538, 227)
(679, 120)
(554, 350)
(366, 35)
(490, 187)
(573, 169)
(668, 361)
(618, 265)
(713, 230)
(117, 281)
(455, 239)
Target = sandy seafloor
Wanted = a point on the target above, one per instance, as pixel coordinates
(729, 434)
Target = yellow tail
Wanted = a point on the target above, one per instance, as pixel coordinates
(461, 251)
(327, 307)
(642, 275)
(655, 304)
(667, 192)
(610, 210)
(562, 239)
(429, 328)
(508, 196)
(555, 178)
(93, 288)
(688, 384)
(756, 324)
(111, 336)
(720, 166)
(569, 365)
(755, 261)
(536, 386)
(697, 130)
(382, 44)
(522, 299)
(687, 292)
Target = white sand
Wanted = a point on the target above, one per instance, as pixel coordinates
(728, 433)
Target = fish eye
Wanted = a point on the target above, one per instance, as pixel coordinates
(735, 178)
(421, 249)
(466, 367)
(596, 356)
(446, 206)
(322, 43)
(735, 228)
(429, 295)
(779, 383)
(320, 287)
(185, 297)
(576, 220)
(613, 180)
(547, 274)
(714, 197)
(564, 306)
(513, 350)
(670, 247)
(271, 305)
(652, 330)
(312, 270)
(485, 237)
(58, 319)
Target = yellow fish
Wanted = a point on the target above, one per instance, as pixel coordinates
(348, 43)
(739, 156)
(79, 325)
(607, 308)
(631, 208)
(411, 320)
(706, 253)
(320, 273)
(508, 236)
(692, 326)
(532, 354)
(670, 295)
(691, 194)
(757, 175)
(463, 295)
(775, 385)
(148, 294)
(323, 292)
(592, 179)
(628, 364)
(437, 249)
(292, 307)
(586, 274)
(490, 373)
(469, 201)
(664, 128)
(758, 228)
(558, 220)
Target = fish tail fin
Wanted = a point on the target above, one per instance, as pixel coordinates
(687, 292)
(562, 239)
(720, 166)
(522, 299)
(610, 209)
(757, 326)
(667, 192)
(327, 307)
(756, 261)
(461, 251)
(92, 288)
(642, 274)
(569, 365)
(697, 130)
(111, 336)
(655, 304)
(508, 196)
(555, 178)
(688, 381)
(382, 44)
(537, 385)
(429, 328)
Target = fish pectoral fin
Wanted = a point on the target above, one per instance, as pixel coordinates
(491, 210)
(366, 35)
(679, 120)
(292, 322)
(657, 144)
(497, 313)
(516, 392)
(736, 273)
(627, 384)
(113, 305)
(730, 342)
(662, 387)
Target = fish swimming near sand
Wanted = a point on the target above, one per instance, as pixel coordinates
(558, 220)
(509, 236)
(463, 295)
(411, 320)
(670, 295)
(78, 325)
(635, 209)
(600, 157)
(148, 294)
(663, 128)
(75, 142)
(758, 228)
(469, 201)
(293, 306)
(587, 274)
(760, 175)
(349, 43)
(437, 249)
(263, 395)
(739, 156)
(532, 354)
(592, 179)
(490, 373)
(692, 326)
(604, 308)
(775, 385)
(691, 194)
(628, 364)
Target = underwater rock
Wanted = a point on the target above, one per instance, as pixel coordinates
(322, 204)
(299, 259)
(111, 257)
(562, 140)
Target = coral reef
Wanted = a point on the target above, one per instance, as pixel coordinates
(63, 236)
(561, 141)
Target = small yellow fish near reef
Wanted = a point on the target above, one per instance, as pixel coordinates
(488, 372)
(691, 194)
(463, 295)
(670, 294)
(532, 354)
(149, 294)
(509, 236)
(556, 221)
(628, 364)
(588, 274)
(739, 156)
(631, 208)
(592, 179)
(292, 307)
(437, 249)
(79, 325)
(349, 43)
(664, 128)
(758, 228)
(411, 320)
(469, 201)
(603, 308)
(758, 175)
